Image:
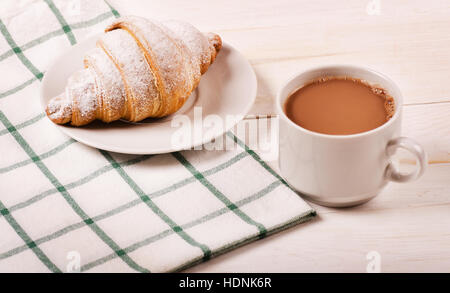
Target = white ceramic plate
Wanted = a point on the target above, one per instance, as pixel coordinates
(228, 89)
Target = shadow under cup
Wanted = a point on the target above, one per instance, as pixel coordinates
(342, 170)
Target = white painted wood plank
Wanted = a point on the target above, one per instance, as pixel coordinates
(408, 224)
(430, 126)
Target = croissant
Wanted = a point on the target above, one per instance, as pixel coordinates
(139, 69)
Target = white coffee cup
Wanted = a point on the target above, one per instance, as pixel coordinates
(343, 170)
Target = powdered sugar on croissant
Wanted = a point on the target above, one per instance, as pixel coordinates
(140, 69)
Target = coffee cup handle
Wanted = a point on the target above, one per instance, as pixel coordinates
(410, 145)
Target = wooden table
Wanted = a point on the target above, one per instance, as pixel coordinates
(407, 224)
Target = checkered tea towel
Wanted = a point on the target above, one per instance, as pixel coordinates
(68, 207)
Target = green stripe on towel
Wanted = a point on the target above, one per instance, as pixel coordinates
(199, 176)
(147, 200)
(16, 49)
(30, 243)
(63, 191)
(65, 27)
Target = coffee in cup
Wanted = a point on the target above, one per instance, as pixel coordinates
(339, 105)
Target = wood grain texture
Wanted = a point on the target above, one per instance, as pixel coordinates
(408, 224)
